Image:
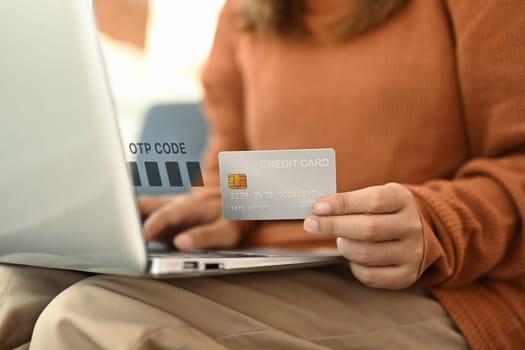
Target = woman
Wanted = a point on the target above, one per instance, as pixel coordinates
(423, 102)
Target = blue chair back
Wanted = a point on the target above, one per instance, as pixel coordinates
(168, 155)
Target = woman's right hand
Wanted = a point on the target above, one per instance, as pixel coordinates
(189, 222)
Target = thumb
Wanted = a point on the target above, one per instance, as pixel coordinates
(216, 235)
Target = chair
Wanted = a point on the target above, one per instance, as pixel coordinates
(170, 149)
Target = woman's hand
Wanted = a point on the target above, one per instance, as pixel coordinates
(190, 222)
(379, 231)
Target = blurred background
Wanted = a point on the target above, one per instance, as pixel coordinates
(154, 51)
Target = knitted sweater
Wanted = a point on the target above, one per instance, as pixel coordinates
(434, 98)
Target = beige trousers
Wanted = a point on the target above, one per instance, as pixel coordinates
(322, 308)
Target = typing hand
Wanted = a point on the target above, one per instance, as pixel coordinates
(191, 223)
(379, 231)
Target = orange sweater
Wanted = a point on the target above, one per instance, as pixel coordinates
(433, 98)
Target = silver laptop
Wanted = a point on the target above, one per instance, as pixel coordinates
(66, 197)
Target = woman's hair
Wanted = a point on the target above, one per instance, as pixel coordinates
(284, 17)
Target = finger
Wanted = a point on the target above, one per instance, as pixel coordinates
(373, 228)
(386, 277)
(383, 199)
(391, 253)
(178, 213)
(148, 204)
(219, 234)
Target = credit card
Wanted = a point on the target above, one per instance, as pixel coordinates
(275, 185)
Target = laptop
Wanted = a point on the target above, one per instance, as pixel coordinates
(67, 199)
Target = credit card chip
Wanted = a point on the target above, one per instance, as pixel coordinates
(237, 181)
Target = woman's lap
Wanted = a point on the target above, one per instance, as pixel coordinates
(322, 308)
(24, 293)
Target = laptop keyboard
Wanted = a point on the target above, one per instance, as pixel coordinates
(203, 254)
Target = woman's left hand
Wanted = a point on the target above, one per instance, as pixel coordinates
(379, 231)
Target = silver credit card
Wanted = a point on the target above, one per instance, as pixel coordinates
(275, 185)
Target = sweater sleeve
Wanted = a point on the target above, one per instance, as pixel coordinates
(223, 102)
(473, 224)
(223, 97)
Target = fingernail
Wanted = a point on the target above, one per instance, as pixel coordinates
(322, 208)
(184, 242)
(311, 225)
